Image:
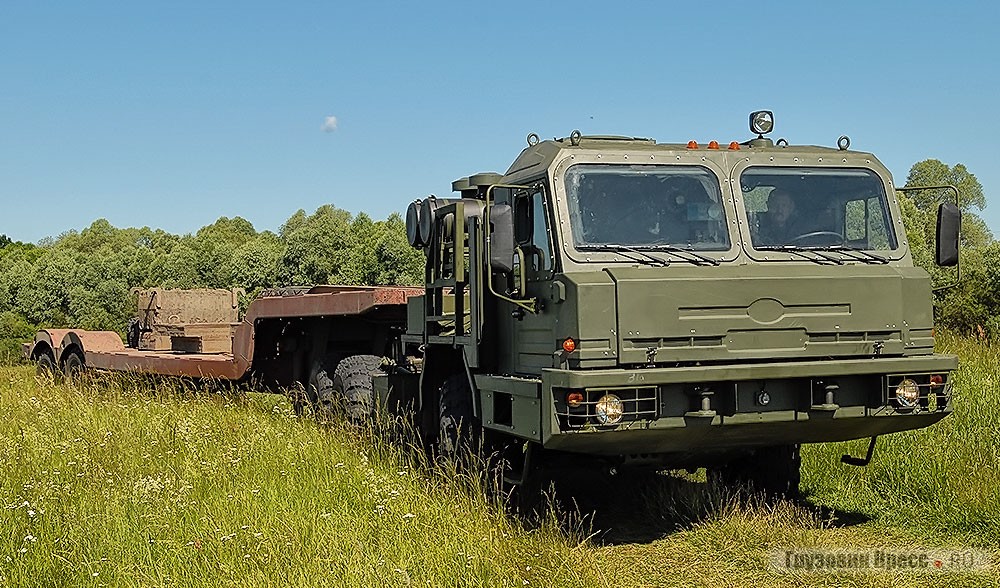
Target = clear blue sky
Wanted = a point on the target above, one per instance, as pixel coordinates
(174, 114)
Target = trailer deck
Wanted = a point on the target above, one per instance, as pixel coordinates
(105, 350)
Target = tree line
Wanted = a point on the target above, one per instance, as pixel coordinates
(83, 279)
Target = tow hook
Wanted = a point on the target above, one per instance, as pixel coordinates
(861, 461)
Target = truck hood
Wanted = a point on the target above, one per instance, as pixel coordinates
(725, 313)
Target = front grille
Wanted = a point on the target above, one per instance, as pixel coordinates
(638, 404)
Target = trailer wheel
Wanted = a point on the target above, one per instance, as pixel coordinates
(353, 380)
(772, 471)
(458, 427)
(73, 367)
(45, 366)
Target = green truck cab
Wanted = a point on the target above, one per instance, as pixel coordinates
(679, 305)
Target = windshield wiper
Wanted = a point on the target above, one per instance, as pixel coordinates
(637, 254)
(697, 257)
(801, 252)
(859, 254)
(852, 253)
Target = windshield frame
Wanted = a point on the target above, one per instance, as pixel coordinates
(848, 162)
(583, 252)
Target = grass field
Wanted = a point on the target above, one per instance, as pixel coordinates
(118, 483)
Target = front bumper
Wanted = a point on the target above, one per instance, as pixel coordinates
(672, 414)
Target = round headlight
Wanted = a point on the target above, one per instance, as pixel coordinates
(609, 409)
(907, 393)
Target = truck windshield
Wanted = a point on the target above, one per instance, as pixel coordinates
(816, 208)
(646, 205)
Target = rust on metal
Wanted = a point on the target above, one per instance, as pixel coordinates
(198, 365)
(193, 321)
(330, 301)
(105, 350)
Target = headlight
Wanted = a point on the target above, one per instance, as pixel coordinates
(907, 393)
(609, 409)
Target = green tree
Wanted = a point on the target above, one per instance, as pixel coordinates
(399, 264)
(931, 172)
(316, 246)
(257, 263)
(970, 305)
(180, 267)
(214, 246)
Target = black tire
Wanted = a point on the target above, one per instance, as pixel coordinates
(73, 367)
(772, 471)
(347, 387)
(321, 388)
(457, 427)
(302, 398)
(353, 380)
(45, 366)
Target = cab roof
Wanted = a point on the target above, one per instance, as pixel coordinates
(536, 158)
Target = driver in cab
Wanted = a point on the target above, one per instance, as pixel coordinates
(782, 222)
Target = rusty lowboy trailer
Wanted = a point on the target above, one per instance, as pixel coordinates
(267, 343)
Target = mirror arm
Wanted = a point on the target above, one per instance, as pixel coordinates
(953, 188)
(529, 304)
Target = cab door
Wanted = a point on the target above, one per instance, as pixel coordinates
(532, 334)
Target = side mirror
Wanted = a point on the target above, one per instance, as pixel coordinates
(949, 222)
(502, 238)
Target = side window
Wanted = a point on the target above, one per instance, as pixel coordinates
(531, 231)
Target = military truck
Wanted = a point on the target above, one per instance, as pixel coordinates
(618, 301)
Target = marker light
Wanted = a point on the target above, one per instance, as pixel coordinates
(692, 144)
(569, 345)
(574, 399)
(609, 409)
(937, 380)
(907, 393)
(713, 144)
(734, 146)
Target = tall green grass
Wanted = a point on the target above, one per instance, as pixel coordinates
(943, 480)
(115, 484)
(119, 482)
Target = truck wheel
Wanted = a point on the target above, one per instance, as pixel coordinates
(458, 426)
(772, 471)
(73, 367)
(353, 381)
(349, 385)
